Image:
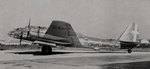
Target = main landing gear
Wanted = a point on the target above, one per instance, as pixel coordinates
(129, 50)
(46, 49)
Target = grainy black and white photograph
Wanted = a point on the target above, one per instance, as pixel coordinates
(74, 34)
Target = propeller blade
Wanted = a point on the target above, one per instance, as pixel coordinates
(29, 23)
(20, 41)
(29, 28)
(38, 31)
(21, 37)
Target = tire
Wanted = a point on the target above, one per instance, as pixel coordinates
(46, 50)
(129, 51)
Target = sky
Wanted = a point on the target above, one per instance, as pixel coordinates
(105, 19)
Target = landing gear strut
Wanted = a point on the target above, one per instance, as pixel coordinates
(129, 50)
(46, 50)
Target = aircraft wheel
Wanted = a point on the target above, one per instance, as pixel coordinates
(129, 50)
(46, 50)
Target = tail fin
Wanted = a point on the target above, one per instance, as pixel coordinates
(65, 30)
(131, 34)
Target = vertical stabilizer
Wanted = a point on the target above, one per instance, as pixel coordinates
(131, 34)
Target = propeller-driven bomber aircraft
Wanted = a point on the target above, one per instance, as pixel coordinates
(61, 33)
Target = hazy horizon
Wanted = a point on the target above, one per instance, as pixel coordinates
(105, 19)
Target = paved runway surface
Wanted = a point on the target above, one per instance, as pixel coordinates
(62, 59)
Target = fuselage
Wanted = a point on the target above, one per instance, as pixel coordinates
(42, 37)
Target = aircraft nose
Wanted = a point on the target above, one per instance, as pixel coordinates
(11, 33)
(14, 34)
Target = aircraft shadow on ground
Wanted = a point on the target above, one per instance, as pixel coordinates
(38, 53)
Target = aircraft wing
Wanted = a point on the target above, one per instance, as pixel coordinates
(51, 43)
(53, 37)
(44, 43)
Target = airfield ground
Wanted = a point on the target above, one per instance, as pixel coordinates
(70, 59)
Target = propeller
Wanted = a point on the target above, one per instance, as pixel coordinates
(34, 27)
(38, 31)
(29, 28)
(28, 32)
(21, 35)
